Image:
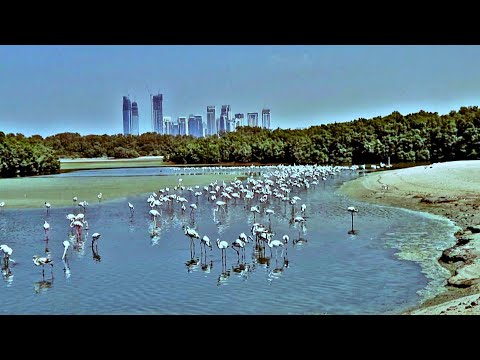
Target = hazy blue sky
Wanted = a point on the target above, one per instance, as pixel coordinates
(50, 89)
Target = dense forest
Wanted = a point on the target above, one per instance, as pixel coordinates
(22, 156)
(418, 137)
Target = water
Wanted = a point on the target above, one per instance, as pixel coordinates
(131, 273)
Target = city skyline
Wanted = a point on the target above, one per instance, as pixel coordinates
(303, 85)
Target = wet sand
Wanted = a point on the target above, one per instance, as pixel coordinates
(452, 190)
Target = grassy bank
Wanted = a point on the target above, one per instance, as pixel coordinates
(109, 164)
(32, 192)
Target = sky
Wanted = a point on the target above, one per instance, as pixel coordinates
(50, 89)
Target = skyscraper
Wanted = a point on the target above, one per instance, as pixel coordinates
(157, 114)
(199, 124)
(192, 125)
(127, 115)
(224, 119)
(167, 125)
(134, 129)
(252, 119)
(266, 118)
(182, 125)
(239, 120)
(211, 121)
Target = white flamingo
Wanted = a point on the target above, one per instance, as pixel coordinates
(66, 245)
(205, 240)
(7, 252)
(48, 206)
(37, 260)
(46, 226)
(99, 196)
(154, 213)
(131, 207)
(352, 210)
(95, 237)
(222, 245)
(255, 210)
(275, 244)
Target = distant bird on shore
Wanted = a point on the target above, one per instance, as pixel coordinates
(99, 196)
(48, 206)
(131, 207)
(74, 200)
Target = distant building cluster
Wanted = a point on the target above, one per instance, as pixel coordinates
(194, 124)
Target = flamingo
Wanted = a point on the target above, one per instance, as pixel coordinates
(74, 200)
(220, 204)
(99, 196)
(95, 237)
(194, 207)
(66, 245)
(222, 245)
(37, 260)
(238, 244)
(285, 239)
(276, 244)
(205, 240)
(192, 234)
(303, 208)
(255, 210)
(154, 213)
(46, 226)
(352, 210)
(131, 207)
(2, 204)
(48, 206)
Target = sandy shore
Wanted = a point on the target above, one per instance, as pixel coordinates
(450, 189)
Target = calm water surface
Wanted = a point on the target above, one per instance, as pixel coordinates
(130, 272)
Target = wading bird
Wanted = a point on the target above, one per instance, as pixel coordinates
(48, 206)
(132, 209)
(66, 245)
(352, 210)
(37, 260)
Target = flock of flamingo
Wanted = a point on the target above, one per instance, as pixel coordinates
(255, 194)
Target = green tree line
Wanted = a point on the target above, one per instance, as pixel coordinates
(417, 137)
(22, 156)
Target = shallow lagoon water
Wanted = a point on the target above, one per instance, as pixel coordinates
(129, 272)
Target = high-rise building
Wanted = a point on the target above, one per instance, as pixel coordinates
(157, 114)
(266, 118)
(127, 115)
(199, 124)
(204, 124)
(211, 121)
(224, 125)
(167, 125)
(238, 120)
(174, 129)
(182, 125)
(252, 119)
(192, 125)
(134, 129)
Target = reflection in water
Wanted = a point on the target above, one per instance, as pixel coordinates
(44, 285)
(7, 276)
(95, 253)
(66, 268)
(242, 270)
(192, 264)
(279, 270)
(223, 278)
(206, 267)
